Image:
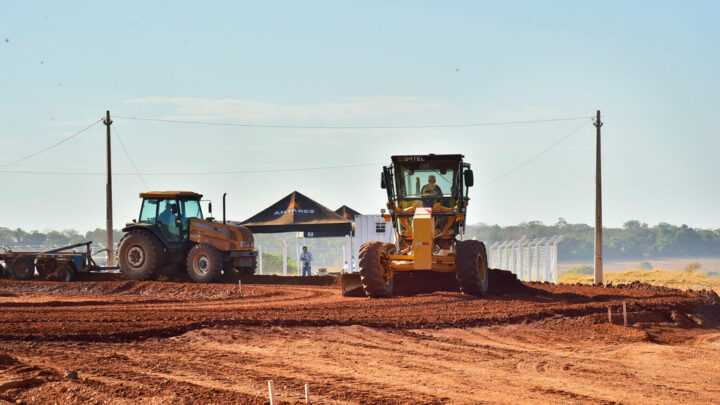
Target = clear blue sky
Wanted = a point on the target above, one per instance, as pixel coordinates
(651, 67)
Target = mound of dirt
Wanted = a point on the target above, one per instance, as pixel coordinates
(637, 285)
(6, 360)
(408, 283)
(505, 282)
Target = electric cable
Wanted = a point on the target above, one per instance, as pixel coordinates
(542, 152)
(117, 135)
(229, 124)
(51, 146)
(193, 173)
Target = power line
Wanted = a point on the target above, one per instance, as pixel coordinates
(228, 124)
(117, 134)
(51, 146)
(192, 173)
(535, 156)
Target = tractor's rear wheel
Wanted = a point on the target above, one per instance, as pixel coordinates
(23, 268)
(472, 267)
(204, 263)
(141, 256)
(376, 280)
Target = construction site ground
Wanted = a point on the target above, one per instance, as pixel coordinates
(109, 341)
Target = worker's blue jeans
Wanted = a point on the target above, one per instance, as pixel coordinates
(306, 269)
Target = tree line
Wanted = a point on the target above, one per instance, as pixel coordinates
(635, 240)
(19, 237)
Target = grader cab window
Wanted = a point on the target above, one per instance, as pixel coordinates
(426, 183)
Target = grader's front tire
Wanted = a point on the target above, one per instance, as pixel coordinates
(204, 263)
(141, 256)
(375, 280)
(472, 267)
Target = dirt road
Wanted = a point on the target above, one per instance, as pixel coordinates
(167, 343)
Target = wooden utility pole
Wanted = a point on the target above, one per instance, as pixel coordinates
(108, 196)
(598, 278)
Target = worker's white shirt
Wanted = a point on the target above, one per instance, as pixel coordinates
(306, 258)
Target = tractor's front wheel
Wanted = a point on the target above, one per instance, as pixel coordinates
(204, 263)
(376, 280)
(472, 267)
(141, 256)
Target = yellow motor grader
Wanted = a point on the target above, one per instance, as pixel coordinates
(427, 204)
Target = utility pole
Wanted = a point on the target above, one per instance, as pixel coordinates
(598, 274)
(108, 196)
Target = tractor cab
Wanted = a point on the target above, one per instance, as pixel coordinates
(171, 231)
(171, 211)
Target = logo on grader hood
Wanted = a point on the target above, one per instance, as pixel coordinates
(295, 208)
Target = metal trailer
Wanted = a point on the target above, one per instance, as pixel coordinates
(62, 263)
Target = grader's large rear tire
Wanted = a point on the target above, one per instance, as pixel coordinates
(472, 267)
(141, 256)
(204, 263)
(375, 280)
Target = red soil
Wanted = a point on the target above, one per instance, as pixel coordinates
(172, 342)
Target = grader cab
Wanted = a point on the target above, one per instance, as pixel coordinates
(427, 205)
(171, 234)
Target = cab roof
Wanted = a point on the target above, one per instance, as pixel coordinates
(185, 195)
(425, 158)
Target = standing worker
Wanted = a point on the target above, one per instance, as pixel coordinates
(306, 258)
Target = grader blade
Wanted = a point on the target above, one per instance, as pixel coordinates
(351, 285)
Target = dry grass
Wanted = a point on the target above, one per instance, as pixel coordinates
(707, 264)
(670, 278)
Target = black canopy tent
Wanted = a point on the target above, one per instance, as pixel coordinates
(347, 213)
(298, 213)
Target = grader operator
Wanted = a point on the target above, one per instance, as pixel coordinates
(427, 203)
(171, 234)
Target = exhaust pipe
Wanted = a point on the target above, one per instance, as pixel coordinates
(224, 194)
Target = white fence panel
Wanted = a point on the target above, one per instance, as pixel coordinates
(530, 260)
